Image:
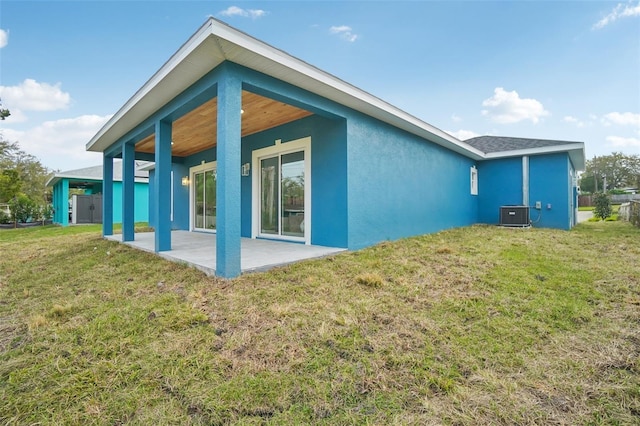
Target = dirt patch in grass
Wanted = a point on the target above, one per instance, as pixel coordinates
(13, 333)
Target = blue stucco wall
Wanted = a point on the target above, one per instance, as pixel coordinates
(180, 198)
(499, 184)
(384, 184)
(328, 175)
(141, 194)
(141, 214)
(549, 182)
(401, 185)
(371, 181)
(328, 168)
(152, 198)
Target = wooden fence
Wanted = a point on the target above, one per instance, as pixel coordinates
(587, 200)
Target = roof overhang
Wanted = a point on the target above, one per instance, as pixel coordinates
(575, 150)
(75, 178)
(216, 42)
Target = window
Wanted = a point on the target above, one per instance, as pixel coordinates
(203, 181)
(474, 180)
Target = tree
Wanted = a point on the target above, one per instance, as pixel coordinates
(10, 185)
(22, 173)
(24, 209)
(617, 170)
(4, 113)
(603, 206)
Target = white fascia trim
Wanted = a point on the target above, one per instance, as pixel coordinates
(213, 27)
(534, 151)
(188, 47)
(57, 178)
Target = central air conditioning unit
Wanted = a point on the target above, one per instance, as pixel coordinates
(514, 216)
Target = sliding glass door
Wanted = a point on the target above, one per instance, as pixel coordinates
(282, 190)
(203, 197)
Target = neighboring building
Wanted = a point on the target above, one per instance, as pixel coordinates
(252, 142)
(86, 205)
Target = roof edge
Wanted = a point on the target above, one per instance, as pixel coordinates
(57, 178)
(187, 47)
(217, 28)
(566, 147)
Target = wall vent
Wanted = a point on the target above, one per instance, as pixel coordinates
(514, 216)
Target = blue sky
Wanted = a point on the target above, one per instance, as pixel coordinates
(557, 70)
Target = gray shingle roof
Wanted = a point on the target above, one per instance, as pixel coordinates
(489, 144)
(95, 173)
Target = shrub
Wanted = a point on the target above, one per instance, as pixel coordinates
(23, 208)
(4, 217)
(602, 208)
(46, 212)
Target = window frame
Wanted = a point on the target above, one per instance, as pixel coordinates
(473, 180)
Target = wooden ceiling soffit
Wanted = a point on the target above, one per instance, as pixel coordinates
(196, 131)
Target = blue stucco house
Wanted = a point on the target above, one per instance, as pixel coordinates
(250, 142)
(88, 183)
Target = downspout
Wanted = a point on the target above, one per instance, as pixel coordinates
(525, 180)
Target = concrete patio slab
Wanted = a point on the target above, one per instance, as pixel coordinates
(198, 249)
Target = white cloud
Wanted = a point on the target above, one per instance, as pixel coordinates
(621, 142)
(245, 13)
(16, 116)
(345, 32)
(573, 120)
(60, 144)
(622, 119)
(33, 96)
(463, 135)
(4, 38)
(507, 107)
(456, 118)
(620, 11)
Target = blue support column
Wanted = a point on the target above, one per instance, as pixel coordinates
(65, 201)
(228, 179)
(56, 204)
(61, 207)
(162, 187)
(107, 196)
(128, 188)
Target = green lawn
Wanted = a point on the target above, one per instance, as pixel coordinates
(478, 325)
(614, 208)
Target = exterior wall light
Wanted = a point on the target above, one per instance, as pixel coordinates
(185, 180)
